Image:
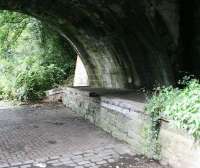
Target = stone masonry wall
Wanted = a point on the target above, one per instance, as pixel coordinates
(178, 149)
(126, 120)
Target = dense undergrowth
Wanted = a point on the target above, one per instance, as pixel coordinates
(33, 58)
(181, 106)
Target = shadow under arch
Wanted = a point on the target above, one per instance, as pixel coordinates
(107, 36)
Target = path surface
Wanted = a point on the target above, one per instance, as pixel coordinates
(49, 135)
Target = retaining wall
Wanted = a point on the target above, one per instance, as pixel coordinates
(178, 149)
(125, 119)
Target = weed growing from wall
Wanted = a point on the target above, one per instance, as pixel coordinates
(180, 106)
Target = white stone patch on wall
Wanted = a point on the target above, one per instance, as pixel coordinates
(81, 76)
(178, 148)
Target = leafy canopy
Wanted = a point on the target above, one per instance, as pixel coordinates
(33, 58)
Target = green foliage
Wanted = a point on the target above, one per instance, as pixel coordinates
(180, 106)
(33, 58)
(32, 83)
(11, 27)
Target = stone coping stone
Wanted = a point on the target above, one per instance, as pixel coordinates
(129, 105)
(54, 91)
(124, 101)
(122, 93)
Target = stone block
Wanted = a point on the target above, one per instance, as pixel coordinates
(179, 151)
(115, 116)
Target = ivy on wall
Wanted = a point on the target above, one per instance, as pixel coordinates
(180, 106)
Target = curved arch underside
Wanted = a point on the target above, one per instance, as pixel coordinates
(122, 43)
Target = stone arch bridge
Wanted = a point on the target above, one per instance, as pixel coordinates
(124, 43)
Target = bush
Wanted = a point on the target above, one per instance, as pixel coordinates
(180, 106)
(32, 84)
(33, 58)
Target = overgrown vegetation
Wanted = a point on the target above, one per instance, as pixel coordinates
(33, 58)
(181, 106)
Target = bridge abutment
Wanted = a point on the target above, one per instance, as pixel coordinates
(121, 114)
